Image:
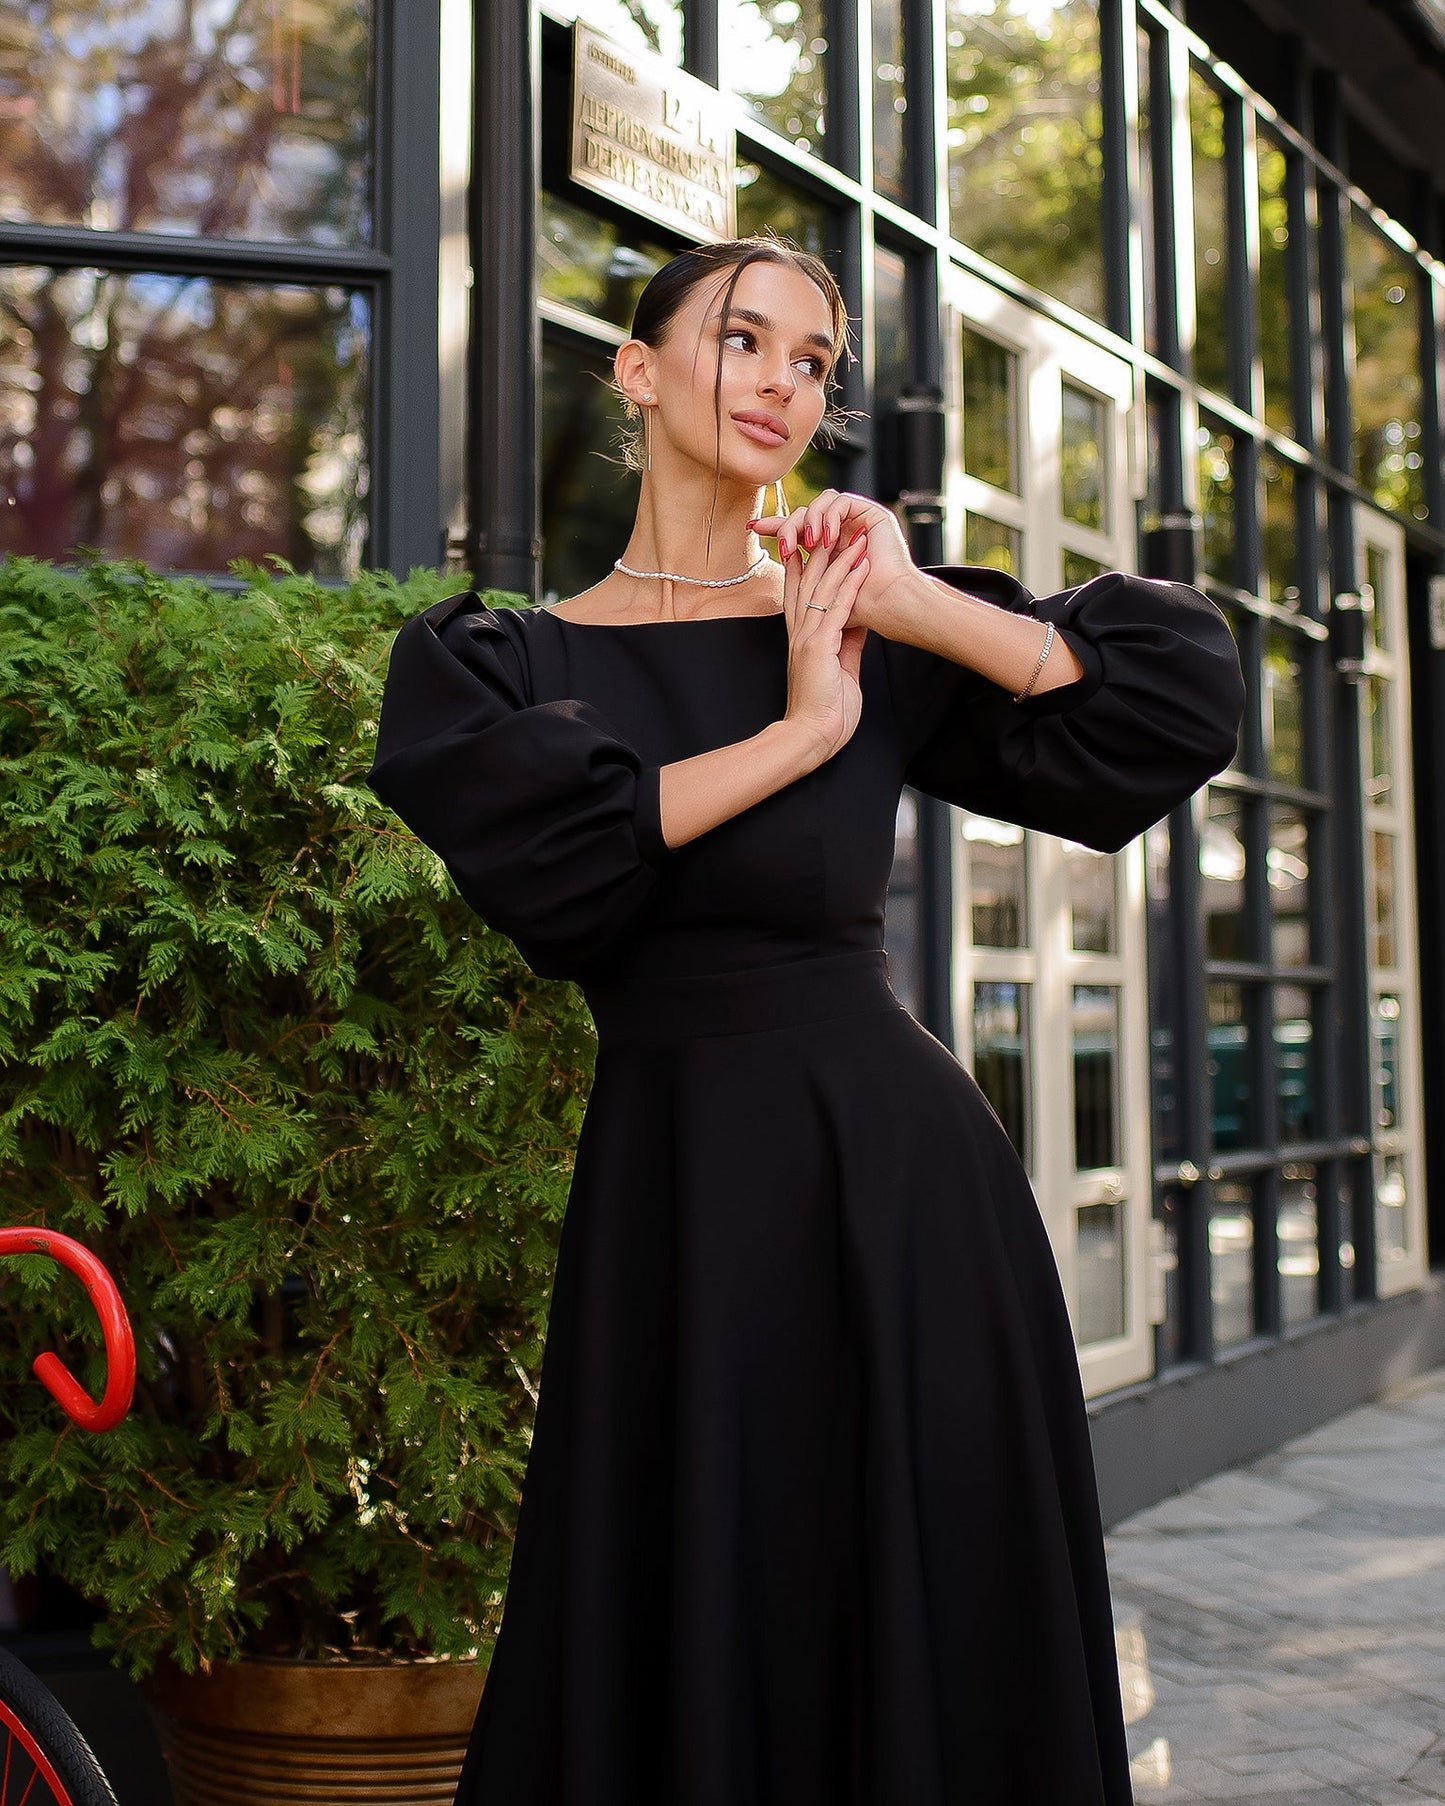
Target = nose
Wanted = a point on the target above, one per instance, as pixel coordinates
(778, 379)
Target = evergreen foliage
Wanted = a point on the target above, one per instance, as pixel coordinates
(317, 1119)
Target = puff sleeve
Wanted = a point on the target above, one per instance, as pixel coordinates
(547, 820)
(1155, 714)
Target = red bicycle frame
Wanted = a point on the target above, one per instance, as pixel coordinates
(100, 1288)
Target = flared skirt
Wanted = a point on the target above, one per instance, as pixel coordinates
(810, 1514)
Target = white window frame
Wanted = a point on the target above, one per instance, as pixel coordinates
(1373, 531)
(1048, 354)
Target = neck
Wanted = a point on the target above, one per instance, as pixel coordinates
(671, 529)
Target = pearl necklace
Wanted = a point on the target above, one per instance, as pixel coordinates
(702, 582)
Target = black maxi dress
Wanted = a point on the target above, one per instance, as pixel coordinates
(810, 1516)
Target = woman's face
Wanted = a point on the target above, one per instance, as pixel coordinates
(777, 350)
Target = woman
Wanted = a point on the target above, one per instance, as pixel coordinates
(810, 1514)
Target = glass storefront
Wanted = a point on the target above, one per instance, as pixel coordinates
(1147, 295)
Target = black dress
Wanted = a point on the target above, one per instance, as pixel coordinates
(810, 1516)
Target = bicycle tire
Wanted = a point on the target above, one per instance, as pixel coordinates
(44, 1760)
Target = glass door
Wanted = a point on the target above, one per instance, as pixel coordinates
(1390, 929)
(1049, 979)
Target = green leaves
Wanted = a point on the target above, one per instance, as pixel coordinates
(258, 1055)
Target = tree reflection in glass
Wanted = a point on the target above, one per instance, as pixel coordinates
(1273, 291)
(990, 411)
(765, 201)
(993, 543)
(774, 57)
(1082, 495)
(1385, 387)
(183, 420)
(1288, 871)
(589, 498)
(586, 262)
(1025, 161)
(1216, 498)
(1001, 1058)
(654, 25)
(890, 100)
(1211, 235)
(235, 119)
(1279, 529)
(1283, 675)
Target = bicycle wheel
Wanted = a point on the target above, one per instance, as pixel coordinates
(44, 1760)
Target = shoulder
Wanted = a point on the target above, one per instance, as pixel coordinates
(469, 638)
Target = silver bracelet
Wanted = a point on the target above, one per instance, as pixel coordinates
(1043, 660)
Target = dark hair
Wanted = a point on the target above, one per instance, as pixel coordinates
(667, 291)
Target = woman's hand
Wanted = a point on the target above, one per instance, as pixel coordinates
(828, 525)
(819, 598)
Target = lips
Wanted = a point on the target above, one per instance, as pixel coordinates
(766, 429)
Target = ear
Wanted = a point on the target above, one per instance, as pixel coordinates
(632, 366)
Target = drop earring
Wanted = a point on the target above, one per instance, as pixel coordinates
(647, 436)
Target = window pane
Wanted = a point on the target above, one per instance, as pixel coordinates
(588, 499)
(1211, 235)
(1163, 939)
(1274, 306)
(1024, 127)
(1289, 885)
(890, 99)
(892, 362)
(997, 881)
(1143, 41)
(1096, 1065)
(773, 55)
(1283, 707)
(990, 542)
(1385, 389)
(1296, 1084)
(1380, 777)
(990, 411)
(1229, 1067)
(1377, 577)
(1168, 1227)
(1082, 495)
(1092, 905)
(1231, 1262)
(654, 25)
(239, 121)
(1099, 1263)
(1385, 1024)
(1279, 530)
(1222, 862)
(1079, 569)
(763, 200)
(900, 921)
(588, 263)
(1001, 1057)
(1392, 1225)
(1216, 498)
(183, 420)
(1297, 1230)
(1382, 887)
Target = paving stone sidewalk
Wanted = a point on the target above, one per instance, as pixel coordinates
(1282, 1626)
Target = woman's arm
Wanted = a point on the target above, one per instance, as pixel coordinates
(923, 610)
(696, 794)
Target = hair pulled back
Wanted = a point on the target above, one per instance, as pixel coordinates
(666, 293)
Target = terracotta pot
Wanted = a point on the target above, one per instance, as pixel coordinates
(254, 1733)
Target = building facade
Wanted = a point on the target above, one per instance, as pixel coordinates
(276, 276)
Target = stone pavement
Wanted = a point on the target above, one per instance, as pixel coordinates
(1282, 1626)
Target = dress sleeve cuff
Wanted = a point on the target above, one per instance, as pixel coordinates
(647, 816)
(1068, 696)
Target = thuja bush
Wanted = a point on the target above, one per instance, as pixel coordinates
(316, 1118)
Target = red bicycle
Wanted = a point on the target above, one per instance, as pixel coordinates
(44, 1760)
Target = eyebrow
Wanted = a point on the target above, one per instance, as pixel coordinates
(754, 318)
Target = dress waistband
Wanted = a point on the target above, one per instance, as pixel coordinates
(729, 1003)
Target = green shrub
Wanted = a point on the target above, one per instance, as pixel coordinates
(316, 1118)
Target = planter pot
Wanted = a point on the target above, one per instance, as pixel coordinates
(256, 1733)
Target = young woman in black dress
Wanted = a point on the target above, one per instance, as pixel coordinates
(810, 1514)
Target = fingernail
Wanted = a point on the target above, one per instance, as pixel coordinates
(808, 536)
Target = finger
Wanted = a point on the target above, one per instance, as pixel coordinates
(792, 577)
(815, 515)
(841, 564)
(766, 525)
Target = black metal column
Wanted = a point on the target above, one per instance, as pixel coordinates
(503, 546)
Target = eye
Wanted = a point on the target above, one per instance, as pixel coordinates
(819, 365)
